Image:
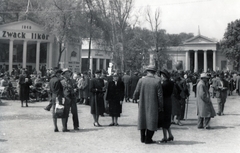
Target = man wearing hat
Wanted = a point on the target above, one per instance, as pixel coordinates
(205, 110)
(69, 93)
(56, 90)
(149, 92)
(55, 87)
(221, 87)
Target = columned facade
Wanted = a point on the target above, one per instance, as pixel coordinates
(198, 54)
(18, 41)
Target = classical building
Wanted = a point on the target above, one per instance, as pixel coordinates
(197, 54)
(26, 44)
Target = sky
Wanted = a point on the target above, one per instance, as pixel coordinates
(211, 16)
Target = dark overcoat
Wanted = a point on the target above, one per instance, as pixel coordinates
(133, 82)
(126, 81)
(97, 94)
(204, 103)
(24, 88)
(115, 94)
(149, 91)
(167, 87)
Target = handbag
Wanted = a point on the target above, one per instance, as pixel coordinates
(59, 110)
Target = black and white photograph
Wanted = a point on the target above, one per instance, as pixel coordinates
(119, 76)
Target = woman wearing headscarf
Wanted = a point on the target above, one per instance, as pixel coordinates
(165, 120)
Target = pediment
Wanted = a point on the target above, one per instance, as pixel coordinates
(199, 39)
(25, 25)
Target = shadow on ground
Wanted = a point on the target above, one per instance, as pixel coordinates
(181, 143)
(3, 140)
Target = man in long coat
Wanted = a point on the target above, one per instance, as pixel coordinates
(149, 91)
(126, 81)
(205, 110)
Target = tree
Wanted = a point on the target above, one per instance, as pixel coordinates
(160, 38)
(59, 18)
(230, 45)
(120, 12)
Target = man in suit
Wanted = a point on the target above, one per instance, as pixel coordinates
(221, 87)
(205, 110)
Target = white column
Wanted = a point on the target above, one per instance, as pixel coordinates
(105, 64)
(37, 56)
(187, 60)
(24, 54)
(98, 64)
(214, 60)
(50, 57)
(205, 61)
(195, 60)
(10, 56)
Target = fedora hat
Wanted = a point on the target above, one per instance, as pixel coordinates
(151, 68)
(165, 72)
(204, 75)
(65, 70)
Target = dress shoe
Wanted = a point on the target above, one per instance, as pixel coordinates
(95, 124)
(164, 140)
(66, 130)
(47, 109)
(200, 127)
(56, 130)
(99, 124)
(116, 124)
(76, 128)
(170, 139)
(112, 124)
(149, 142)
(179, 123)
(208, 127)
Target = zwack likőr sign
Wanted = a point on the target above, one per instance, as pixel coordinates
(24, 35)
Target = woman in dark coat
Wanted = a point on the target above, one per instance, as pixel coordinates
(24, 83)
(97, 94)
(115, 96)
(165, 121)
(176, 98)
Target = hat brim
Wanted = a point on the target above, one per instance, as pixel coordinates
(63, 72)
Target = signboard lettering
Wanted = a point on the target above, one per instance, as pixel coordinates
(24, 35)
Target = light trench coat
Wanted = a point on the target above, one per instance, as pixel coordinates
(149, 91)
(204, 103)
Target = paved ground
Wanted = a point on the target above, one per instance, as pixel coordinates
(30, 130)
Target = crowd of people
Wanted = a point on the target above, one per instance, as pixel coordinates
(161, 96)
